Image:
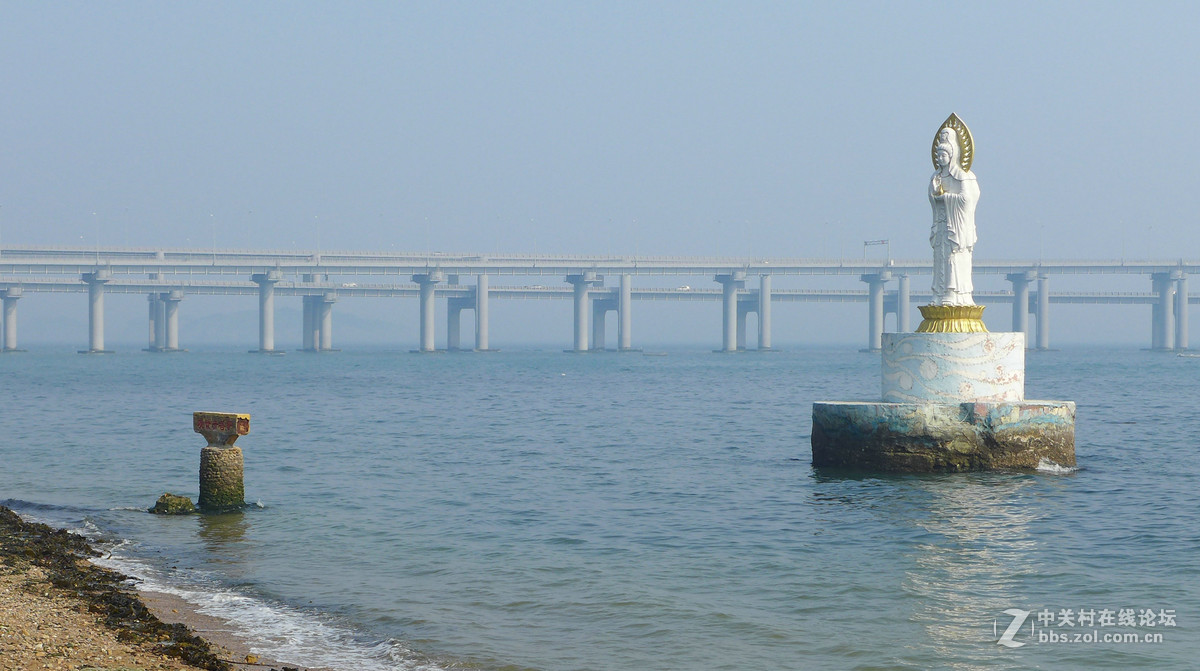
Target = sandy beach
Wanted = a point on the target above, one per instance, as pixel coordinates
(60, 611)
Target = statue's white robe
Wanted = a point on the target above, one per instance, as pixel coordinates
(953, 237)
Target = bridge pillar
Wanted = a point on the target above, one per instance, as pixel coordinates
(325, 321)
(1043, 312)
(876, 283)
(1167, 298)
(625, 315)
(95, 282)
(1020, 312)
(764, 312)
(11, 296)
(427, 282)
(743, 308)
(1181, 312)
(453, 324)
(599, 310)
(1163, 312)
(1156, 318)
(903, 304)
(152, 302)
(454, 308)
(171, 304)
(729, 308)
(266, 309)
(481, 314)
(307, 340)
(160, 323)
(581, 283)
(309, 328)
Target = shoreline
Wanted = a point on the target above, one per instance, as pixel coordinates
(59, 610)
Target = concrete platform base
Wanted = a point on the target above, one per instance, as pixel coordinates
(932, 437)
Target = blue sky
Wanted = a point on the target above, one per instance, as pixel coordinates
(774, 129)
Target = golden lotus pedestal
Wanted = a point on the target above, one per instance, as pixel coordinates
(952, 319)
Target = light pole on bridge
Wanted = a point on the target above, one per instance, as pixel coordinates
(875, 243)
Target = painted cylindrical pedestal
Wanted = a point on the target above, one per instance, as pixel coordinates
(953, 367)
(221, 483)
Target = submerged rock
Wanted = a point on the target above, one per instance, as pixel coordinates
(170, 504)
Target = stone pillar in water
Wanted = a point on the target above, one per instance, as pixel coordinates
(221, 484)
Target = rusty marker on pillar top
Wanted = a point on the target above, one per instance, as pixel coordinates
(221, 428)
(221, 486)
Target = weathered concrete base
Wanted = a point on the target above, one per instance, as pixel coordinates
(929, 437)
(221, 483)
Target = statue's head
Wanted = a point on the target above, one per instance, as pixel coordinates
(954, 134)
(945, 155)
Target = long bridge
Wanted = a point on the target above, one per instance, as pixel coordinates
(166, 276)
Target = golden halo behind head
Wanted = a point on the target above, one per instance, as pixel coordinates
(966, 145)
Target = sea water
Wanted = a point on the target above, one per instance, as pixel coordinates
(539, 510)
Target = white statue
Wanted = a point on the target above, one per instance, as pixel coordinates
(953, 193)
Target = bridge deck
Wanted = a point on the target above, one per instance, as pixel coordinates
(124, 261)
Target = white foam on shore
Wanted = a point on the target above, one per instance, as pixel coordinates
(1047, 466)
(278, 632)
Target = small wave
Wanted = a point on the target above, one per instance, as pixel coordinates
(276, 631)
(30, 507)
(1047, 466)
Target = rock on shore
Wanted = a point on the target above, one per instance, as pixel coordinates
(59, 611)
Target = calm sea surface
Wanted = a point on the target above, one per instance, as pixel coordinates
(539, 510)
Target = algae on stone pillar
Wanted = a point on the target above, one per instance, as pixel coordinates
(221, 466)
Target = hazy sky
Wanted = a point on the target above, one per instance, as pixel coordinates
(774, 129)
